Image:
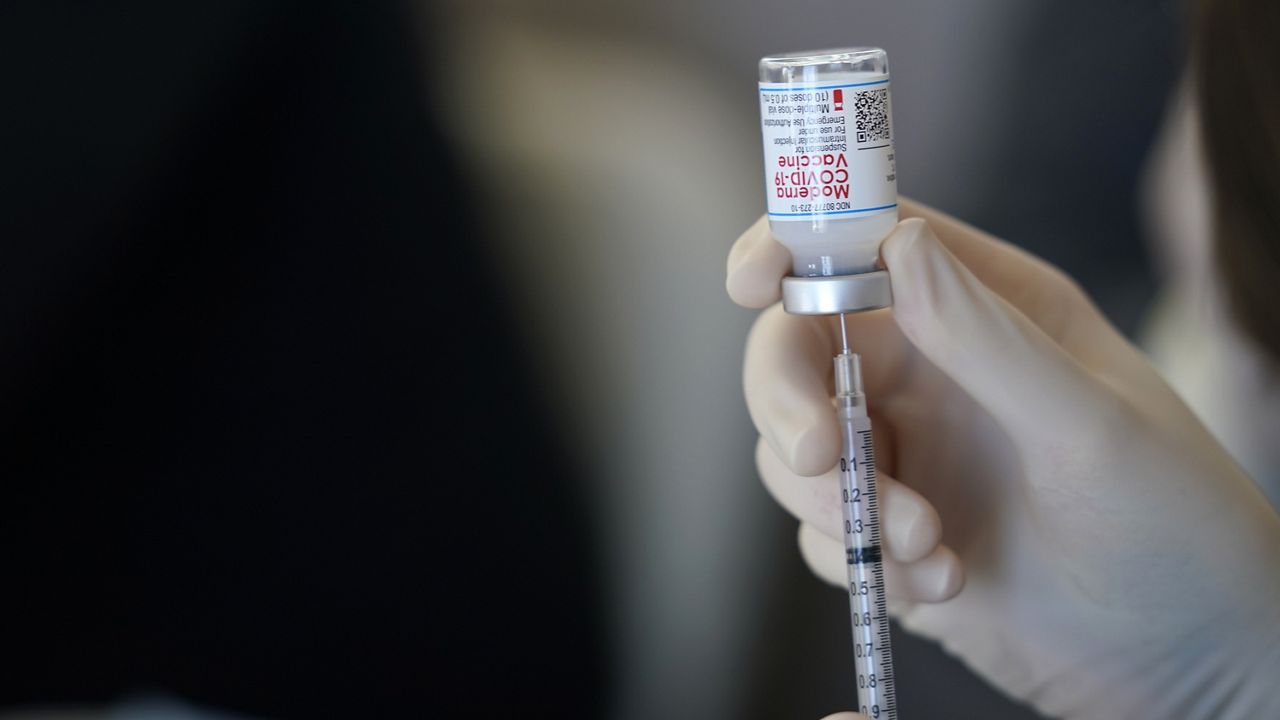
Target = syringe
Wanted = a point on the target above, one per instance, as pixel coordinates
(867, 604)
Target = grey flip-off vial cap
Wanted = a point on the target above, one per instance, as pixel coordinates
(831, 295)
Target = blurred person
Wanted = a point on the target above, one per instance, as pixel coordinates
(249, 430)
(1055, 513)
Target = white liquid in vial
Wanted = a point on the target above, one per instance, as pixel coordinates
(835, 246)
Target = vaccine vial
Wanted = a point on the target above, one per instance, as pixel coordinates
(829, 172)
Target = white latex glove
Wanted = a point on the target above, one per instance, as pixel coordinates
(1115, 562)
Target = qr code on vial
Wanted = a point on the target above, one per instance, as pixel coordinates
(872, 108)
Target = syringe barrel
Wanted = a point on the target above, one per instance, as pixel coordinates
(873, 661)
(829, 166)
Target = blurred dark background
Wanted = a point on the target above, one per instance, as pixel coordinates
(248, 434)
(373, 359)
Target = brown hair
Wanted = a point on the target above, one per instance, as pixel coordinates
(1237, 60)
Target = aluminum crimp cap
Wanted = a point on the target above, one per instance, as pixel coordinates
(836, 294)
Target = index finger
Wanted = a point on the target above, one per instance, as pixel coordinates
(1048, 297)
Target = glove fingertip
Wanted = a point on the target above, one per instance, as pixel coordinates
(755, 267)
(815, 450)
(749, 287)
(898, 246)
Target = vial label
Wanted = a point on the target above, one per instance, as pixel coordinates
(828, 148)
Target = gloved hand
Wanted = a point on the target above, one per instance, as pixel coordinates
(1115, 562)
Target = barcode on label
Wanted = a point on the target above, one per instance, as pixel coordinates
(872, 115)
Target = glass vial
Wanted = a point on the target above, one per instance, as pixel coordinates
(829, 172)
